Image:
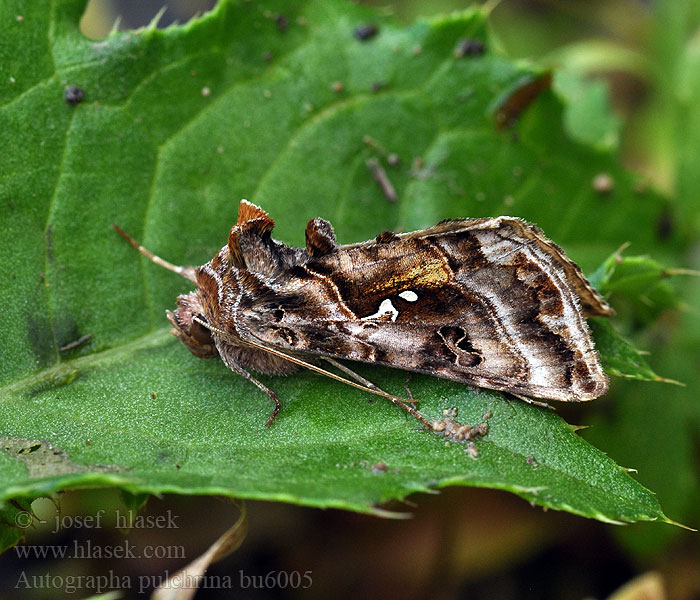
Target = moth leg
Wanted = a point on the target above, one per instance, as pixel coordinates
(400, 402)
(261, 386)
(359, 378)
(532, 401)
(408, 389)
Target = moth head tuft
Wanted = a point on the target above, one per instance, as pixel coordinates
(320, 238)
(234, 248)
(252, 220)
(252, 217)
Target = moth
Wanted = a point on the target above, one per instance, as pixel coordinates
(489, 302)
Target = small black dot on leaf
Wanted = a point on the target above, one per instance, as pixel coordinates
(469, 48)
(282, 23)
(365, 32)
(74, 95)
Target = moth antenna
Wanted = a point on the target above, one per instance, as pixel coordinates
(370, 387)
(209, 326)
(187, 272)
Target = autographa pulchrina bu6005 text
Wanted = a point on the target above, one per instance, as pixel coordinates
(490, 302)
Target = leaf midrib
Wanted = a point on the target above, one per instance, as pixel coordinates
(64, 368)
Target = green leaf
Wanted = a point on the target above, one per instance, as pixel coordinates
(675, 118)
(175, 127)
(637, 285)
(15, 517)
(654, 428)
(619, 357)
(588, 118)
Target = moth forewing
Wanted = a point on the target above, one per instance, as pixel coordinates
(483, 301)
(515, 229)
(490, 302)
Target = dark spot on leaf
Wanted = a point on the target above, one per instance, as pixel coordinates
(74, 95)
(41, 338)
(48, 240)
(65, 330)
(664, 225)
(169, 454)
(469, 48)
(365, 32)
(43, 459)
(524, 94)
(282, 23)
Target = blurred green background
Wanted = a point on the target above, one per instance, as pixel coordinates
(473, 543)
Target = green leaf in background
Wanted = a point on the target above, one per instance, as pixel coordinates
(638, 285)
(655, 81)
(586, 102)
(15, 516)
(174, 128)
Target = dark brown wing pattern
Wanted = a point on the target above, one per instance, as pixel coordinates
(490, 302)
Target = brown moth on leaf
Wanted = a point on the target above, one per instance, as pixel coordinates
(489, 302)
